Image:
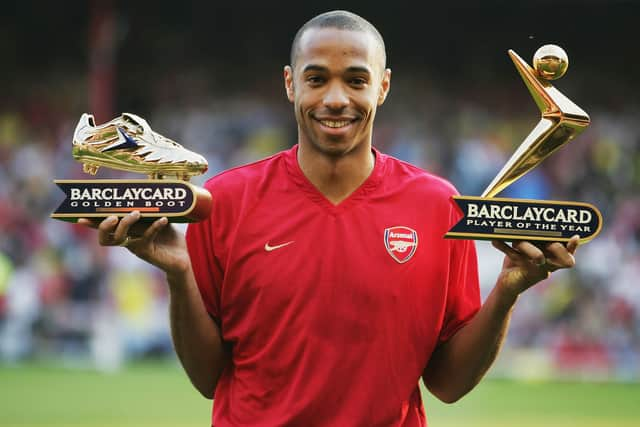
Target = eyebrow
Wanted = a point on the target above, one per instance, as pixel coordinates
(353, 69)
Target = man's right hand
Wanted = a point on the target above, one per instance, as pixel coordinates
(196, 336)
(157, 243)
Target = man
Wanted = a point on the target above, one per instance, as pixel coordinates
(321, 290)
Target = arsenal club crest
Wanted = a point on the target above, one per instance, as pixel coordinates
(401, 243)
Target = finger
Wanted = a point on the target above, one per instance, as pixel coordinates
(531, 252)
(573, 243)
(105, 230)
(122, 230)
(559, 256)
(91, 223)
(151, 232)
(506, 249)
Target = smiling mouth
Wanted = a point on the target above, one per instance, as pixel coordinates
(335, 123)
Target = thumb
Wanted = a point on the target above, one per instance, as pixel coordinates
(151, 232)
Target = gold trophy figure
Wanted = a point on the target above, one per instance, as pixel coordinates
(128, 143)
(489, 218)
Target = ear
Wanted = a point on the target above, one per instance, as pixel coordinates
(385, 85)
(288, 82)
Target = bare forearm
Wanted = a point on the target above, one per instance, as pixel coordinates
(196, 337)
(457, 366)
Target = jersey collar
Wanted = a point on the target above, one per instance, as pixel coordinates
(361, 193)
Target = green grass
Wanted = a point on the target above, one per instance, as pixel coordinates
(501, 403)
(159, 394)
(147, 395)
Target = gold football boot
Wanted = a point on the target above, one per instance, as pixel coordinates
(128, 143)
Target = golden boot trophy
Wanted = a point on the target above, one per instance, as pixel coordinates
(490, 218)
(128, 143)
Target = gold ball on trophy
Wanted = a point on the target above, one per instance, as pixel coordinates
(550, 62)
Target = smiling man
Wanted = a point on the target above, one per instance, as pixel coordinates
(336, 81)
(321, 289)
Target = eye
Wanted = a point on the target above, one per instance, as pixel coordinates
(314, 80)
(358, 81)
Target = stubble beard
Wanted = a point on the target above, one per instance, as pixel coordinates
(337, 148)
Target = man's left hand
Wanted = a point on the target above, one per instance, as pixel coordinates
(525, 264)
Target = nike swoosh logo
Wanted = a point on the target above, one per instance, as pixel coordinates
(270, 248)
(124, 141)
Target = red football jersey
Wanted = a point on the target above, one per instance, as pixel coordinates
(331, 312)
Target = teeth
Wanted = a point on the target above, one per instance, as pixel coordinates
(334, 123)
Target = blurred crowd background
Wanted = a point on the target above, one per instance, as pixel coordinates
(210, 77)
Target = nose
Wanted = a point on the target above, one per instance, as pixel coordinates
(335, 98)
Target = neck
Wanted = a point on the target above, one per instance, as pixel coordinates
(336, 177)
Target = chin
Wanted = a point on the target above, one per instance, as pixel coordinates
(334, 148)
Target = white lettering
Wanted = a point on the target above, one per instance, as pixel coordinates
(401, 235)
(75, 194)
(548, 214)
(504, 213)
(538, 212)
(181, 193)
(495, 211)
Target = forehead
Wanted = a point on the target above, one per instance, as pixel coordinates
(332, 46)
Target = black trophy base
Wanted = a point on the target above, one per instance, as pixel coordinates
(524, 219)
(177, 200)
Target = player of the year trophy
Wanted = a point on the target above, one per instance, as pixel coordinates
(128, 143)
(490, 218)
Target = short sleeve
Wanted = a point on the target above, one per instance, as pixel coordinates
(463, 289)
(208, 274)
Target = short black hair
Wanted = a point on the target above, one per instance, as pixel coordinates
(341, 20)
